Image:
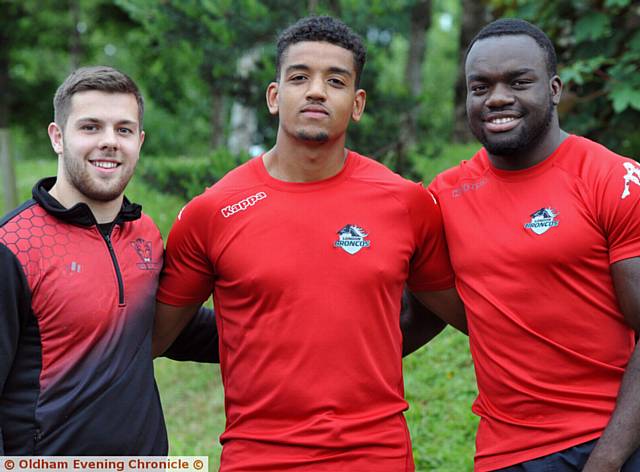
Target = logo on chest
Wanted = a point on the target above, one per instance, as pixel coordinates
(144, 250)
(542, 220)
(242, 205)
(352, 238)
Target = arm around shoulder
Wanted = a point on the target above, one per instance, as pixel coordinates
(425, 314)
(198, 341)
(168, 323)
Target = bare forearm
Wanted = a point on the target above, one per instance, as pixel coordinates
(168, 323)
(419, 325)
(198, 341)
(621, 437)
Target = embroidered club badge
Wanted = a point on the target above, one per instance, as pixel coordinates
(542, 220)
(351, 239)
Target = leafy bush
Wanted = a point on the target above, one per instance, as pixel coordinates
(187, 177)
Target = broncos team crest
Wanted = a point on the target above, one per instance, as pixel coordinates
(351, 239)
(542, 220)
(143, 249)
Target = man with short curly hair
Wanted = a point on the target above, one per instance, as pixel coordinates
(307, 249)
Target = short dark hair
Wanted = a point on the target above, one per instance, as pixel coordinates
(516, 26)
(326, 29)
(100, 78)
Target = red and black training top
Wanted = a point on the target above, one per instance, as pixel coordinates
(76, 314)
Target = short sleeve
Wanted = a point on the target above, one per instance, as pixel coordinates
(618, 202)
(430, 265)
(187, 276)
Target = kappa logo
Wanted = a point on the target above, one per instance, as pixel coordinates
(351, 239)
(468, 187)
(144, 250)
(542, 220)
(242, 205)
(632, 176)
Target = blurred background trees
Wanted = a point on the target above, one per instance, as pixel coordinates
(204, 66)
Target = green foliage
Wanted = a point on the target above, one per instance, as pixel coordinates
(431, 161)
(592, 26)
(193, 403)
(440, 387)
(186, 177)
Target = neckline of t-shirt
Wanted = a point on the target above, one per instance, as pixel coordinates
(530, 171)
(345, 172)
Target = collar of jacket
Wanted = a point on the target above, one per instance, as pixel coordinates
(80, 214)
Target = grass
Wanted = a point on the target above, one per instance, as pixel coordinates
(439, 380)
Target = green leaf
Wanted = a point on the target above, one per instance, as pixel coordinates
(579, 70)
(616, 3)
(624, 97)
(592, 26)
(634, 43)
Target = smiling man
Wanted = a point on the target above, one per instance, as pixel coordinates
(543, 230)
(306, 250)
(80, 266)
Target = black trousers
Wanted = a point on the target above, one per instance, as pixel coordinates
(572, 459)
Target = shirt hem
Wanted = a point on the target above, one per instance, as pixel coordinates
(508, 460)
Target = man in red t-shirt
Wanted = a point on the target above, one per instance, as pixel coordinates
(306, 250)
(543, 229)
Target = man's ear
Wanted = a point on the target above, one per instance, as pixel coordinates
(555, 85)
(359, 102)
(272, 98)
(56, 137)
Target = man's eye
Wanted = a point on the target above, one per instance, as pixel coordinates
(478, 88)
(337, 82)
(125, 131)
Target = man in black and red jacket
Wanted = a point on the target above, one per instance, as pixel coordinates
(80, 266)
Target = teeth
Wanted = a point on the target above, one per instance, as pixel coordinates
(501, 121)
(105, 165)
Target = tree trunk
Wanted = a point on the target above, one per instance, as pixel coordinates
(8, 173)
(217, 116)
(312, 7)
(474, 16)
(420, 24)
(332, 5)
(244, 119)
(6, 164)
(75, 41)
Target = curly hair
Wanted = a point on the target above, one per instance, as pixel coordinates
(326, 29)
(100, 78)
(516, 26)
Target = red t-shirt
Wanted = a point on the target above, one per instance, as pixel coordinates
(307, 280)
(531, 250)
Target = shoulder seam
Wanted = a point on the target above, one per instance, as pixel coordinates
(387, 191)
(16, 211)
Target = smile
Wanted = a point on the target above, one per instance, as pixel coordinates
(501, 124)
(501, 121)
(104, 164)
